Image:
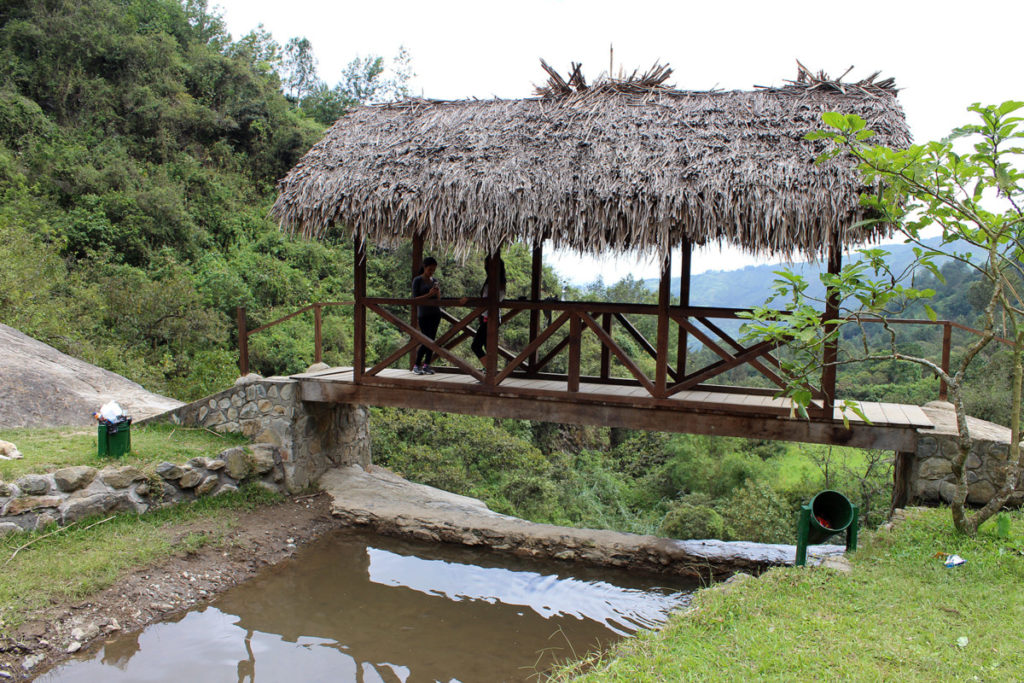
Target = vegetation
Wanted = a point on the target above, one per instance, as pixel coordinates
(899, 615)
(974, 199)
(46, 450)
(77, 560)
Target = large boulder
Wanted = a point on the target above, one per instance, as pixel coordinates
(43, 387)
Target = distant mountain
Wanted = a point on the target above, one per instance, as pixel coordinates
(750, 286)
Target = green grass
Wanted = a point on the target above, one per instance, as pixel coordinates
(75, 561)
(51, 448)
(799, 462)
(898, 616)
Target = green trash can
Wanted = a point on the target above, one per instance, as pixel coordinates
(828, 513)
(114, 440)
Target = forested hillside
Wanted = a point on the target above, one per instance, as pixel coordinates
(139, 147)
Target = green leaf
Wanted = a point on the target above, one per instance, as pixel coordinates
(835, 120)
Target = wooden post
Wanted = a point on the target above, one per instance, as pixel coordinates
(830, 353)
(417, 263)
(575, 333)
(947, 331)
(318, 344)
(359, 310)
(536, 273)
(493, 284)
(243, 342)
(661, 348)
(684, 303)
(902, 470)
(606, 353)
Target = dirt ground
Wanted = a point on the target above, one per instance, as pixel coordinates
(261, 538)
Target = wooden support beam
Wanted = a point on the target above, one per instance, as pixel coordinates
(359, 309)
(902, 470)
(661, 357)
(243, 341)
(684, 303)
(580, 409)
(575, 332)
(606, 357)
(536, 274)
(830, 353)
(417, 263)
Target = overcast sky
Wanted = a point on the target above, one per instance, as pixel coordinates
(944, 55)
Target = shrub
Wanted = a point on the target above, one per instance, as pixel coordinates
(686, 520)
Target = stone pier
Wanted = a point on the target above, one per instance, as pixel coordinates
(311, 437)
(930, 478)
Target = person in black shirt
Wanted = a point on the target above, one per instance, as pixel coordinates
(424, 287)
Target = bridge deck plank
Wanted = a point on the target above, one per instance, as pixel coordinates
(697, 410)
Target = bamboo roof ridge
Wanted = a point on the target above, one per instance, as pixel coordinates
(627, 164)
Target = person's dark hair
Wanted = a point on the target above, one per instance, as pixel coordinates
(502, 279)
(429, 261)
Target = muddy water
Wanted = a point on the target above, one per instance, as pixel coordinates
(354, 607)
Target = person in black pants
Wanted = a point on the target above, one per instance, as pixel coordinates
(479, 344)
(424, 287)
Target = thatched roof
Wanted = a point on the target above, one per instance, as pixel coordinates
(620, 165)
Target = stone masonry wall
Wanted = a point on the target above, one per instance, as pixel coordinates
(311, 437)
(35, 501)
(931, 477)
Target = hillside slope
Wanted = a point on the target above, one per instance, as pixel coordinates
(42, 387)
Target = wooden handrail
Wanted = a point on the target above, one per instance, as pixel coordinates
(589, 312)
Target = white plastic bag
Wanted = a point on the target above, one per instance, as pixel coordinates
(111, 412)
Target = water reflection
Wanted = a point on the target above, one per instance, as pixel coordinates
(362, 608)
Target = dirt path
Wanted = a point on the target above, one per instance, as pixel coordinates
(262, 537)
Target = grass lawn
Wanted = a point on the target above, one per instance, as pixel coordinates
(75, 561)
(51, 448)
(900, 615)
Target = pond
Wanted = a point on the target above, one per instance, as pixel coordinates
(359, 607)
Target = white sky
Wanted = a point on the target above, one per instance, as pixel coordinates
(943, 54)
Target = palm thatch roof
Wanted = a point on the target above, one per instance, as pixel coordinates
(624, 164)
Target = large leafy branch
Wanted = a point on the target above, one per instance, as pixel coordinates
(968, 188)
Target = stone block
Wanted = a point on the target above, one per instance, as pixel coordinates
(272, 392)
(980, 492)
(191, 478)
(237, 399)
(74, 478)
(207, 485)
(34, 484)
(264, 406)
(934, 468)
(25, 503)
(232, 413)
(249, 411)
(250, 393)
(73, 510)
(121, 477)
(926, 447)
(236, 462)
(946, 490)
(973, 461)
(288, 391)
(199, 462)
(215, 465)
(262, 458)
(225, 488)
(168, 470)
(8, 528)
(224, 403)
(269, 436)
(203, 412)
(227, 428)
(46, 519)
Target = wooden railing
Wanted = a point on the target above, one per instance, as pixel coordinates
(566, 324)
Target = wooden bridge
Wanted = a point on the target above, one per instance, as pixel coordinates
(631, 166)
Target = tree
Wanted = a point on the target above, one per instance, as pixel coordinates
(969, 187)
(299, 76)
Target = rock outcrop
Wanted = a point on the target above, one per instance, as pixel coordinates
(42, 387)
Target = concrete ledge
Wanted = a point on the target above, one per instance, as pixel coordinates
(388, 504)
